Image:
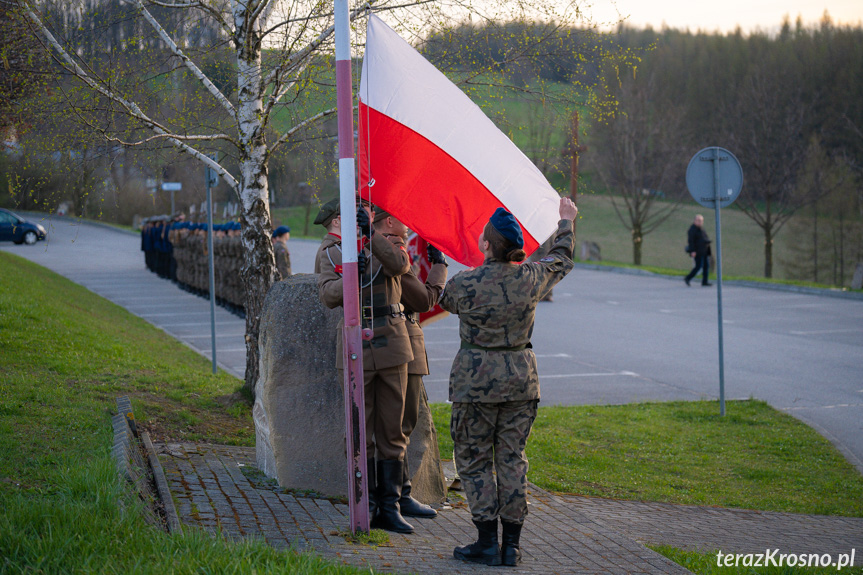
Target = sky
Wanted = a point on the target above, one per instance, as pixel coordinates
(725, 15)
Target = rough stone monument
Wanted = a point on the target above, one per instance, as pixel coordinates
(299, 408)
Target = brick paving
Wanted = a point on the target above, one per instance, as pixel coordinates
(709, 529)
(219, 489)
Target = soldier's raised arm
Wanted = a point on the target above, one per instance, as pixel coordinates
(392, 253)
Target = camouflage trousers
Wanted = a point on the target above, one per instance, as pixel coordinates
(489, 443)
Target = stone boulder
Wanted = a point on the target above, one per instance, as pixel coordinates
(299, 409)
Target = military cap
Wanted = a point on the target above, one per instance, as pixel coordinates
(281, 230)
(328, 212)
(380, 213)
(505, 223)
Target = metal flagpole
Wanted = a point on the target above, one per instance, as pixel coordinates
(355, 432)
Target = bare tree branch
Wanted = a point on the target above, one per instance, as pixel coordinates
(305, 123)
(217, 94)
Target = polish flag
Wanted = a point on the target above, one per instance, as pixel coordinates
(431, 158)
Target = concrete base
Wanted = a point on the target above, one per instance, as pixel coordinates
(299, 401)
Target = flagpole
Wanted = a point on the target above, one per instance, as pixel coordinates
(355, 432)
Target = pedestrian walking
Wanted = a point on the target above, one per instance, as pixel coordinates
(698, 246)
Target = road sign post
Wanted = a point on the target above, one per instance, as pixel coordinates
(714, 178)
(212, 179)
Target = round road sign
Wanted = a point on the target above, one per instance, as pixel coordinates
(705, 168)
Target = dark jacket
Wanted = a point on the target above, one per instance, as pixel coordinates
(698, 241)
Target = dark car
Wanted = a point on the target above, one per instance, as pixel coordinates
(14, 228)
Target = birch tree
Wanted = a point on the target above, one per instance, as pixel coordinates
(279, 50)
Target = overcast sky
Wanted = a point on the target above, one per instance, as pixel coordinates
(725, 15)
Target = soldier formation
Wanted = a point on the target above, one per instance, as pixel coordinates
(178, 250)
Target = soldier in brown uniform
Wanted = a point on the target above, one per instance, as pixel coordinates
(494, 384)
(417, 297)
(281, 235)
(385, 357)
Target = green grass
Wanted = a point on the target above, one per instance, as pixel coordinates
(684, 452)
(706, 564)
(66, 354)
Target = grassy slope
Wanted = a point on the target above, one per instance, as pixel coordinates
(65, 355)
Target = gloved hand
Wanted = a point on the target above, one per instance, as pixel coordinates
(361, 267)
(436, 256)
(364, 222)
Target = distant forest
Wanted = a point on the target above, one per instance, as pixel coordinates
(789, 106)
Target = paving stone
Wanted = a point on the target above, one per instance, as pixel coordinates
(563, 534)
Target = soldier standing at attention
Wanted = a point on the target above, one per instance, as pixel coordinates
(281, 235)
(385, 357)
(417, 297)
(494, 386)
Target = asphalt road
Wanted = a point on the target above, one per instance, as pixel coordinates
(608, 338)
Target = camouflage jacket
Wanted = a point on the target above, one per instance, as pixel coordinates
(391, 344)
(419, 297)
(496, 304)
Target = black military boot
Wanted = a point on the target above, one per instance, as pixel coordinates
(373, 489)
(409, 506)
(389, 478)
(485, 550)
(510, 554)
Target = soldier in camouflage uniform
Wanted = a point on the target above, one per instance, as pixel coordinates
(385, 357)
(417, 297)
(494, 386)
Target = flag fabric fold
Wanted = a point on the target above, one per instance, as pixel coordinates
(431, 157)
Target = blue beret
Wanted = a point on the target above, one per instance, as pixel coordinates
(505, 223)
(281, 230)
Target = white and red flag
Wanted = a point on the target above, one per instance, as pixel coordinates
(434, 159)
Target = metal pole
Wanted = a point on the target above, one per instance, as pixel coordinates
(173, 211)
(716, 186)
(212, 272)
(355, 432)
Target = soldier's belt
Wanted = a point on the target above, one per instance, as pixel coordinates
(412, 317)
(468, 345)
(381, 311)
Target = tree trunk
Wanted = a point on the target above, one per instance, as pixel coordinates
(768, 253)
(259, 267)
(637, 240)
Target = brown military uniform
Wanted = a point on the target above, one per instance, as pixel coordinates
(283, 259)
(418, 297)
(494, 385)
(386, 356)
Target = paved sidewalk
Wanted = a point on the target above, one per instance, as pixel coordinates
(219, 489)
(709, 529)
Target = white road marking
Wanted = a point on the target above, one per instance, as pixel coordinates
(609, 302)
(822, 406)
(852, 330)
